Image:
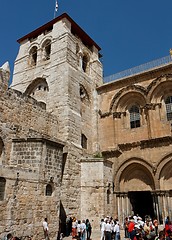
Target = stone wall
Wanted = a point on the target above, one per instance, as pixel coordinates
(140, 155)
(96, 189)
(70, 96)
(31, 159)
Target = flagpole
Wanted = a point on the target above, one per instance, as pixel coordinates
(56, 8)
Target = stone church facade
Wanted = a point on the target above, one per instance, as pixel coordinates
(71, 144)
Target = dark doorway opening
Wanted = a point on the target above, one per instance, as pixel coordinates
(62, 221)
(142, 203)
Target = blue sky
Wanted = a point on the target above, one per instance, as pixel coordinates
(130, 33)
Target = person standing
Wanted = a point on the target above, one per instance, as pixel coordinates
(45, 229)
(74, 228)
(108, 230)
(79, 229)
(155, 223)
(102, 229)
(117, 231)
(131, 229)
(83, 230)
(88, 229)
(126, 223)
(67, 226)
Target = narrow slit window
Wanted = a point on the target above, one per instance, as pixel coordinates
(83, 141)
(49, 190)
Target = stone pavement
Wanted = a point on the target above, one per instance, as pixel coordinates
(96, 235)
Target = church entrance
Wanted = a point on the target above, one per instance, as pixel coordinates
(142, 203)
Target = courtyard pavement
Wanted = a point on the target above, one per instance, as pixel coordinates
(96, 235)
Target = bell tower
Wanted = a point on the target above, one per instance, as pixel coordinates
(58, 65)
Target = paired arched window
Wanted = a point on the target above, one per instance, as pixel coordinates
(168, 104)
(33, 56)
(134, 112)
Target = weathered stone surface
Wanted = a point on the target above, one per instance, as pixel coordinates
(63, 130)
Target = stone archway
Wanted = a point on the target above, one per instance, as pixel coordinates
(38, 89)
(165, 180)
(136, 177)
(136, 183)
(166, 176)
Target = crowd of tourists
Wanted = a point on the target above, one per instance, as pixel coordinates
(135, 228)
(80, 230)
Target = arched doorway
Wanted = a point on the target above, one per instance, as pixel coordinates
(165, 178)
(135, 192)
(142, 203)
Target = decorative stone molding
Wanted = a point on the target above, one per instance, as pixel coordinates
(115, 114)
(136, 88)
(118, 114)
(151, 106)
(103, 115)
(151, 143)
(112, 153)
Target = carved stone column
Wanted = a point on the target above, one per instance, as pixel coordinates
(160, 206)
(122, 201)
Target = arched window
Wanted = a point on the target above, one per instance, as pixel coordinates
(168, 104)
(49, 190)
(134, 117)
(46, 49)
(2, 188)
(33, 56)
(38, 89)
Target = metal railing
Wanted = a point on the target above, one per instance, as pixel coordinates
(139, 69)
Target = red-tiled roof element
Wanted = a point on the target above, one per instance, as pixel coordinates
(75, 29)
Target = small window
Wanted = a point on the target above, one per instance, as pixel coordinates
(168, 104)
(49, 190)
(2, 188)
(83, 141)
(33, 56)
(82, 93)
(108, 196)
(47, 49)
(134, 117)
(84, 63)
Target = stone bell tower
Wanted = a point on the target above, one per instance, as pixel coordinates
(58, 65)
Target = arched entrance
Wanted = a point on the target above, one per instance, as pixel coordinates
(142, 203)
(135, 191)
(165, 179)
